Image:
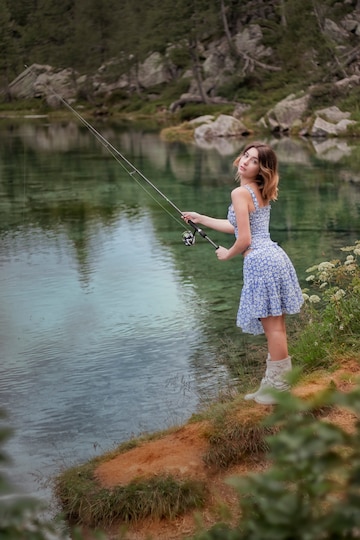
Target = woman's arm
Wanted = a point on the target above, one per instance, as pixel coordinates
(221, 225)
(241, 200)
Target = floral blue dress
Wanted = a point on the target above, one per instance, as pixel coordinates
(271, 286)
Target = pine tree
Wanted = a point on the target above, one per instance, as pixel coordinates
(8, 46)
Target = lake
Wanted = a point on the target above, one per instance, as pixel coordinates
(110, 326)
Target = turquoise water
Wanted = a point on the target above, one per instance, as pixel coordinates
(109, 325)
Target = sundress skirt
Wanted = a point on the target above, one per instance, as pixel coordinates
(271, 287)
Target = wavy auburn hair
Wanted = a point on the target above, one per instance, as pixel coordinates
(268, 177)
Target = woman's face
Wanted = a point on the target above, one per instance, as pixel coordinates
(248, 166)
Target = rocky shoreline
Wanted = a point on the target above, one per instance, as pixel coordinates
(290, 116)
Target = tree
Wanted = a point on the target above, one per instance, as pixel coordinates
(199, 20)
(8, 46)
(21, 10)
(47, 31)
(94, 28)
(226, 26)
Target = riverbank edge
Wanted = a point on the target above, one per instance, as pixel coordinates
(188, 453)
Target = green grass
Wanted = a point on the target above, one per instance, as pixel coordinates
(237, 434)
(84, 501)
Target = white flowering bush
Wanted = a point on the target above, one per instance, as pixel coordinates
(332, 309)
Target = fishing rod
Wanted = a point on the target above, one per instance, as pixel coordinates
(188, 237)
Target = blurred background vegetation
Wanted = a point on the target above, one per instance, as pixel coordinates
(86, 34)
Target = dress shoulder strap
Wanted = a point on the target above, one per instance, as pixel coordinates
(253, 196)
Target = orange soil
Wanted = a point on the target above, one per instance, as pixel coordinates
(180, 454)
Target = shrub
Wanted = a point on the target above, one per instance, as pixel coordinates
(312, 489)
(332, 324)
(20, 516)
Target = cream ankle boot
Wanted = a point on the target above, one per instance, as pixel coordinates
(248, 397)
(275, 379)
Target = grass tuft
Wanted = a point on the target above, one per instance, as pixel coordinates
(237, 435)
(85, 502)
(184, 132)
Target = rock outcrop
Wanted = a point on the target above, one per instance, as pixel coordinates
(286, 114)
(331, 122)
(43, 81)
(291, 115)
(223, 126)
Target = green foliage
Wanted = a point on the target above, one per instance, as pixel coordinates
(84, 501)
(323, 95)
(179, 56)
(8, 45)
(172, 91)
(332, 325)
(231, 88)
(352, 102)
(300, 41)
(20, 516)
(22, 105)
(193, 110)
(87, 34)
(311, 491)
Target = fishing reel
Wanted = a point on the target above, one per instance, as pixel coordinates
(188, 238)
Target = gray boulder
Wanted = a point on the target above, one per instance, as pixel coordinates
(334, 31)
(249, 41)
(223, 126)
(42, 81)
(331, 122)
(23, 86)
(286, 113)
(153, 71)
(199, 120)
(333, 114)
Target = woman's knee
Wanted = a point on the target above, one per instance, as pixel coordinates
(274, 324)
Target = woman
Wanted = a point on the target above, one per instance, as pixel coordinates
(271, 288)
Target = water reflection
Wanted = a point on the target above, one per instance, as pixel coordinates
(109, 325)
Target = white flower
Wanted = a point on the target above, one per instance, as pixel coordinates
(323, 285)
(325, 266)
(357, 251)
(350, 259)
(312, 268)
(314, 299)
(339, 294)
(310, 278)
(305, 296)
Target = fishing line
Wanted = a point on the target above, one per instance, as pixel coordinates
(188, 236)
(24, 183)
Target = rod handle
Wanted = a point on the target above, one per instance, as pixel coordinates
(202, 233)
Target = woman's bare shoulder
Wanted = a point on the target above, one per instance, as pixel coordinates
(240, 192)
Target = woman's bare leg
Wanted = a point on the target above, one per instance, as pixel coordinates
(275, 332)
